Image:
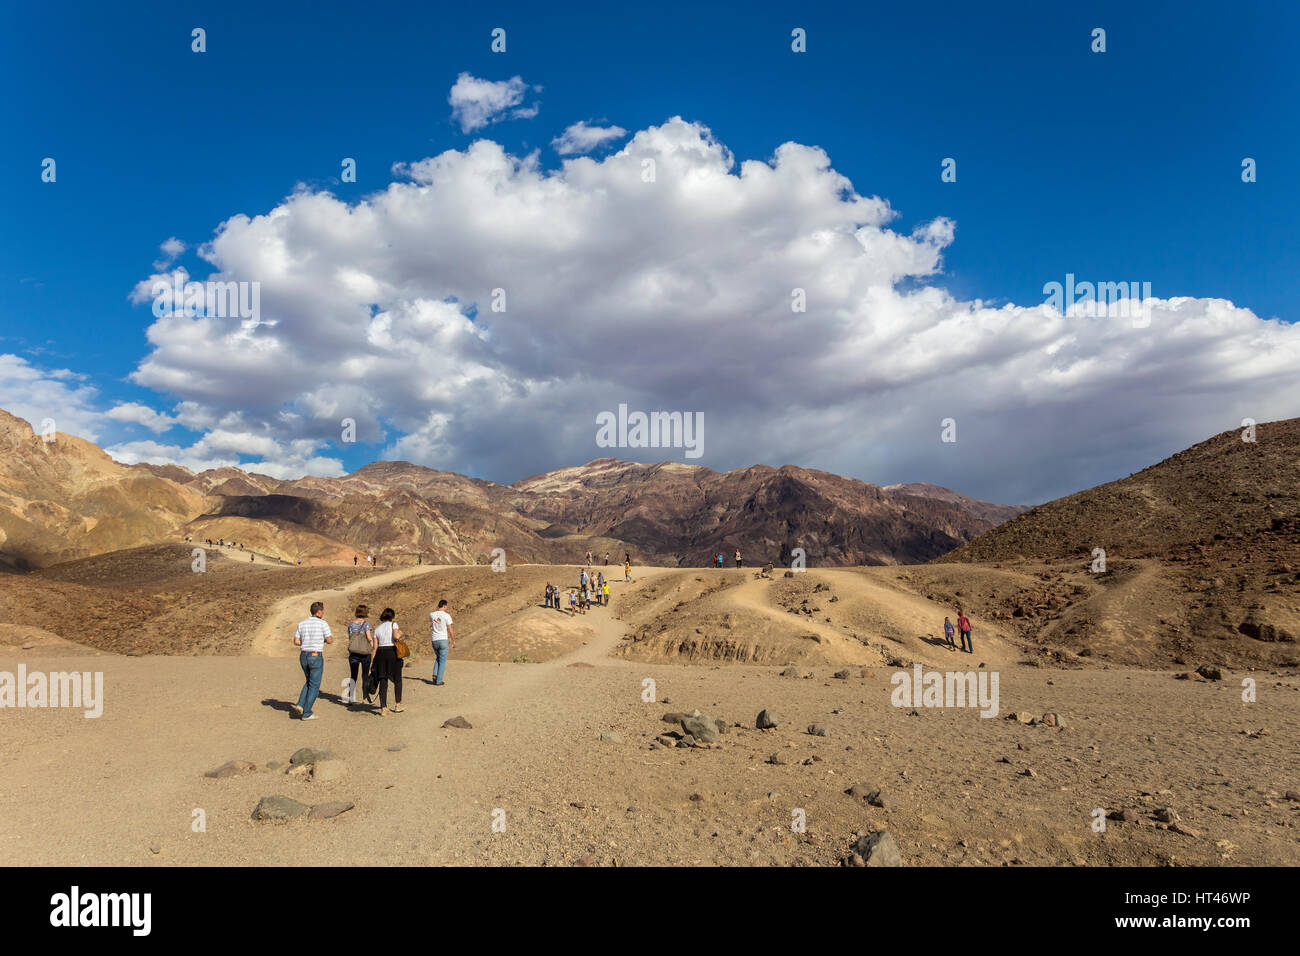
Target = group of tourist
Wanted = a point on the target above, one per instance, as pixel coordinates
(592, 591)
(376, 654)
(718, 559)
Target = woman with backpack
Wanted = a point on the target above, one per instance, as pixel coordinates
(361, 652)
(388, 665)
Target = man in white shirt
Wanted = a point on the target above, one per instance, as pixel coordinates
(442, 636)
(312, 635)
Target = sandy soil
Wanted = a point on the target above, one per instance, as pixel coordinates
(959, 788)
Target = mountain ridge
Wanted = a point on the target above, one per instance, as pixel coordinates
(666, 512)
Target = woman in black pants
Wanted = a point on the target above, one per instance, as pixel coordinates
(361, 651)
(388, 666)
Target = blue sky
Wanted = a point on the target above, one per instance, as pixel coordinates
(1113, 166)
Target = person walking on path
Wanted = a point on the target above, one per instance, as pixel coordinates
(361, 651)
(627, 571)
(311, 636)
(440, 620)
(737, 557)
(963, 628)
(604, 594)
(606, 559)
(388, 666)
(550, 593)
(948, 633)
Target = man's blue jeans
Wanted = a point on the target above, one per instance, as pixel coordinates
(313, 665)
(440, 649)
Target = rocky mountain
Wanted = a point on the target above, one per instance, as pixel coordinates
(1223, 492)
(1201, 561)
(67, 499)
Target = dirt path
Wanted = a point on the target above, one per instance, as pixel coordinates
(274, 638)
(921, 621)
(534, 782)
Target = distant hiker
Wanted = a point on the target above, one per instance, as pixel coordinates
(604, 594)
(354, 560)
(419, 559)
(606, 559)
(627, 570)
(550, 594)
(582, 579)
(948, 634)
(589, 557)
(252, 557)
(963, 628)
(361, 651)
(311, 636)
(573, 602)
(442, 637)
(738, 557)
(387, 664)
(600, 580)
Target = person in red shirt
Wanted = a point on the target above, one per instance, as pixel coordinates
(963, 628)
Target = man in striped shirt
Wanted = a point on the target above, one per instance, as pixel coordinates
(312, 636)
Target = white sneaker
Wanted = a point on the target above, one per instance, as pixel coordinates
(310, 717)
(296, 709)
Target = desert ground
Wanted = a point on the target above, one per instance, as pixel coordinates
(568, 759)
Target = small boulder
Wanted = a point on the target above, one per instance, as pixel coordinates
(878, 849)
(232, 768)
(458, 722)
(279, 807)
(327, 771)
(1210, 672)
(610, 737)
(701, 728)
(767, 719)
(323, 811)
(816, 730)
(310, 755)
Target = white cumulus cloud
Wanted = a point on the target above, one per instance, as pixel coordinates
(137, 414)
(477, 102)
(581, 138)
(479, 313)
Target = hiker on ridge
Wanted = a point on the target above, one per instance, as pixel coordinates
(963, 628)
